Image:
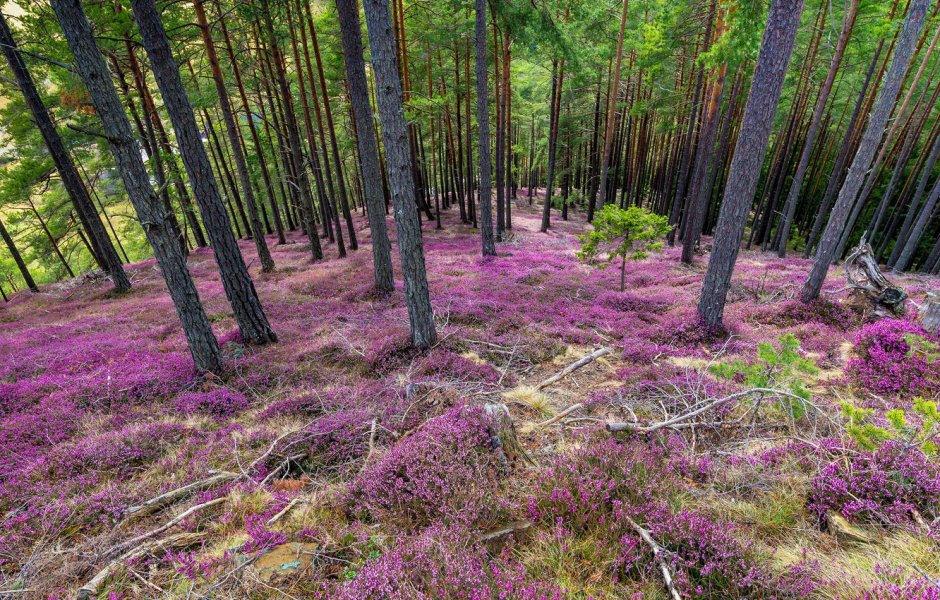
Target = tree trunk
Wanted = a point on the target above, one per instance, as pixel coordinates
(18, 258)
(395, 135)
(769, 73)
(238, 285)
(483, 130)
(848, 22)
(93, 70)
(870, 139)
(365, 137)
(598, 203)
(257, 233)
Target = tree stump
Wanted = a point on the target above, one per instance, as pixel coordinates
(865, 277)
(930, 314)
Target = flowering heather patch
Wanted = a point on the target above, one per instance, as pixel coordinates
(220, 402)
(887, 358)
(441, 562)
(884, 486)
(443, 470)
(101, 410)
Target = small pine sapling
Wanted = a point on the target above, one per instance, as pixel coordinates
(628, 234)
(782, 367)
(921, 433)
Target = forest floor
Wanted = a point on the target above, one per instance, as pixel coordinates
(340, 463)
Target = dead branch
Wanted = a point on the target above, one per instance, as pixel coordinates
(165, 499)
(179, 540)
(500, 532)
(561, 415)
(696, 412)
(658, 552)
(371, 445)
(285, 510)
(174, 521)
(573, 367)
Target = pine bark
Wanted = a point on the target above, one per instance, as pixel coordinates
(239, 288)
(102, 249)
(766, 85)
(874, 130)
(231, 127)
(367, 143)
(401, 182)
(483, 130)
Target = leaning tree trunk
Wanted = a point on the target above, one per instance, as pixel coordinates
(598, 203)
(796, 183)
(368, 146)
(483, 128)
(18, 259)
(769, 73)
(102, 249)
(398, 158)
(162, 237)
(231, 127)
(874, 131)
(917, 231)
(239, 288)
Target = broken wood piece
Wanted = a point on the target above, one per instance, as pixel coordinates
(165, 499)
(573, 367)
(503, 438)
(863, 274)
(930, 314)
(506, 530)
(285, 510)
(561, 415)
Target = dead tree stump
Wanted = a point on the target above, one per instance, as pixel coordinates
(930, 314)
(866, 279)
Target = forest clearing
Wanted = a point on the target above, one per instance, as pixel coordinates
(499, 300)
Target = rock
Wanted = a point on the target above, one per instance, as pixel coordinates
(285, 559)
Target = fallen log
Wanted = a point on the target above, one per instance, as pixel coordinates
(573, 367)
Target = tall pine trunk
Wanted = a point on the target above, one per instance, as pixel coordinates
(483, 130)
(239, 288)
(365, 139)
(102, 249)
(766, 84)
(874, 131)
(401, 182)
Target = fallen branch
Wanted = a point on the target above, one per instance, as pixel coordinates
(371, 445)
(561, 415)
(179, 540)
(158, 502)
(698, 411)
(500, 532)
(573, 367)
(285, 510)
(658, 556)
(174, 521)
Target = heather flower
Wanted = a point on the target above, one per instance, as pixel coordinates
(883, 486)
(220, 402)
(885, 361)
(445, 469)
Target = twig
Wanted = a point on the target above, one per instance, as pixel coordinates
(284, 511)
(158, 502)
(692, 414)
(562, 414)
(658, 556)
(175, 520)
(371, 445)
(573, 367)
